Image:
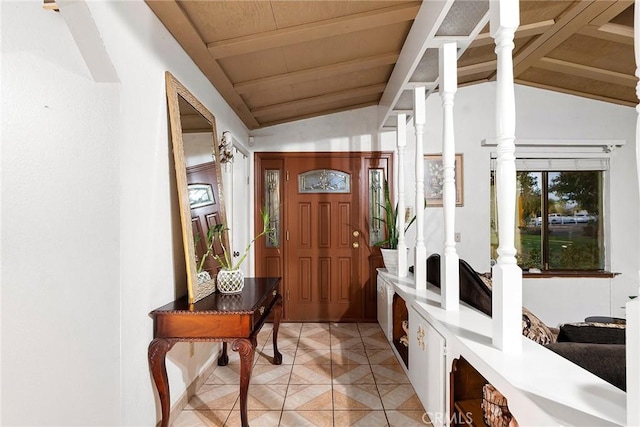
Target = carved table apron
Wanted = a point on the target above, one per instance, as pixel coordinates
(234, 318)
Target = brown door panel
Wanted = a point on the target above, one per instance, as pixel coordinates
(325, 254)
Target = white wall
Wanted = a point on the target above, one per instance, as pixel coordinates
(83, 268)
(540, 115)
(60, 228)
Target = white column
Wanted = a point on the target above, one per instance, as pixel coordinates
(633, 361)
(633, 307)
(419, 118)
(401, 142)
(507, 276)
(450, 262)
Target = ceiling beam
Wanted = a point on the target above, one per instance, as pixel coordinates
(612, 32)
(573, 19)
(316, 73)
(286, 107)
(585, 71)
(184, 29)
(425, 25)
(528, 30)
(616, 9)
(313, 31)
(481, 67)
(324, 112)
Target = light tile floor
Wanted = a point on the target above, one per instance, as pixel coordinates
(332, 374)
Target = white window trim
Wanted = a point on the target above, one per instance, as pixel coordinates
(601, 145)
(586, 156)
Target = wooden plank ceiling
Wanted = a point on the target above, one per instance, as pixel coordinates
(280, 61)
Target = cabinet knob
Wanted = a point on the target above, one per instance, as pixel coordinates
(261, 310)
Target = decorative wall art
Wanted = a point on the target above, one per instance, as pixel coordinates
(434, 179)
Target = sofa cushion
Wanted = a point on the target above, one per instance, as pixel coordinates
(597, 333)
(607, 361)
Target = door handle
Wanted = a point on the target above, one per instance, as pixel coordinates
(355, 245)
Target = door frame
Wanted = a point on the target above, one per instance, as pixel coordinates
(270, 261)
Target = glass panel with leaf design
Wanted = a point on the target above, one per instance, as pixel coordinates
(376, 206)
(272, 204)
(324, 181)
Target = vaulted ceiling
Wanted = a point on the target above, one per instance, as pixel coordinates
(280, 61)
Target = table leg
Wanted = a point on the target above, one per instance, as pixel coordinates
(246, 348)
(277, 315)
(158, 349)
(223, 360)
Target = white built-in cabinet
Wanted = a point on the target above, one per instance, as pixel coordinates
(384, 300)
(427, 370)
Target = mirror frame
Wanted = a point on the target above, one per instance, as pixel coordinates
(175, 89)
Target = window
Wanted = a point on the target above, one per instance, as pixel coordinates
(559, 221)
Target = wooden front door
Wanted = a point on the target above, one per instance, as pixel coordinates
(324, 242)
(323, 252)
(206, 209)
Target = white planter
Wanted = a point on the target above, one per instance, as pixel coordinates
(390, 258)
(230, 281)
(206, 285)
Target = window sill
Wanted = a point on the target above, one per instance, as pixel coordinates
(569, 273)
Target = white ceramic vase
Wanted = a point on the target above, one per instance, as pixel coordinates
(390, 258)
(206, 284)
(230, 281)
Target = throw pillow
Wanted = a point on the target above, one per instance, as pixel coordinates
(534, 329)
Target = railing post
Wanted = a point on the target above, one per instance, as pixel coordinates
(507, 276)
(450, 261)
(419, 117)
(633, 307)
(401, 142)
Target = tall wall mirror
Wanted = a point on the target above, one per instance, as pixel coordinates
(199, 183)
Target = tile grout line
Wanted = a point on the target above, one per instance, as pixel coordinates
(286, 394)
(333, 364)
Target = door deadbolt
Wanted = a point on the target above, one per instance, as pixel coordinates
(356, 233)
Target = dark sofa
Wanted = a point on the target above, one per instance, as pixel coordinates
(597, 347)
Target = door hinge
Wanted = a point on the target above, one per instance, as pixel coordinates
(444, 351)
(287, 176)
(287, 235)
(287, 294)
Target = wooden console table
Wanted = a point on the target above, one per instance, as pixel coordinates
(234, 318)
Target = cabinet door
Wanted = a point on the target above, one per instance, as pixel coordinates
(384, 307)
(427, 366)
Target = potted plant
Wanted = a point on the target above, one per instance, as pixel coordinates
(389, 246)
(230, 278)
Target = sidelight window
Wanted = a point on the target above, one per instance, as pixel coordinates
(272, 204)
